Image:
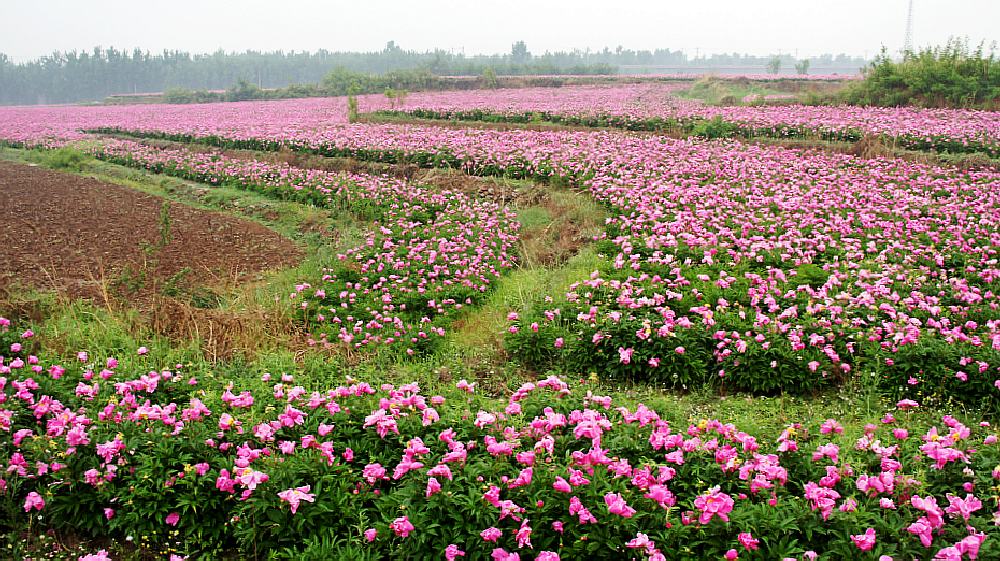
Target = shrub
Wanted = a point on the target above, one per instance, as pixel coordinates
(947, 76)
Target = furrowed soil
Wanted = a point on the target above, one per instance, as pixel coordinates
(86, 238)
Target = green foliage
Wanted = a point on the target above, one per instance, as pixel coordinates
(243, 91)
(802, 67)
(164, 224)
(490, 78)
(774, 65)
(715, 127)
(947, 76)
(184, 95)
(352, 109)
(396, 96)
(66, 158)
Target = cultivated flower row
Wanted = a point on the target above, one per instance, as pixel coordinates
(428, 253)
(655, 107)
(167, 459)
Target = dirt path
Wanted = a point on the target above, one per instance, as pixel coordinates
(79, 236)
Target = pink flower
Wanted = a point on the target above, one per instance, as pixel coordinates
(731, 555)
(500, 554)
(963, 507)
(524, 535)
(625, 355)
(401, 526)
(713, 503)
(294, 496)
(865, 541)
(923, 530)
(101, 555)
(33, 501)
(748, 541)
(829, 426)
(433, 487)
(616, 505)
(561, 485)
(452, 551)
(641, 541)
(173, 518)
(373, 472)
(491, 534)
(371, 534)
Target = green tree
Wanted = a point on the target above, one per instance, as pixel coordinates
(519, 53)
(490, 78)
(774, 65)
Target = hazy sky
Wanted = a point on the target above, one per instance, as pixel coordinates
(30, 28)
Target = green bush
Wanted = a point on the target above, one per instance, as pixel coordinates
(715, 127)
(948, 76)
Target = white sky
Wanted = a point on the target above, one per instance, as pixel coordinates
(30, 28)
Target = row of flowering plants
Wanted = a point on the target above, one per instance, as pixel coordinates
(428, 253)
(167, 461)
(656, 107)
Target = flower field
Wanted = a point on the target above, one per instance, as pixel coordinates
(724, 268)
(642, 107)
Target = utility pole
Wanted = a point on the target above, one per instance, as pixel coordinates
(908, 40)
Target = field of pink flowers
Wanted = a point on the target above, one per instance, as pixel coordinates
(734, 267)
(726, 261)
(642, 106)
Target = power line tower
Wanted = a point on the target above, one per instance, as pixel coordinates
(908, 41)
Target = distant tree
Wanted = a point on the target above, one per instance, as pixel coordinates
(490, 78)
(519, 53)
(802, 67)
(774, 65)
(243, 91)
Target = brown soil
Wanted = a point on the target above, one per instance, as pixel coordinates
(87, 238)
(558, 241)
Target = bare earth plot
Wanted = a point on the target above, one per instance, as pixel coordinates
(77, 235)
